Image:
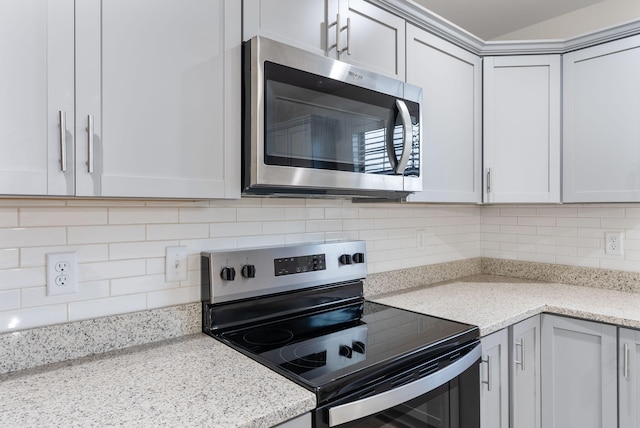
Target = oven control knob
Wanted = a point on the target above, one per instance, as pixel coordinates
(358, 258)
(358, 347)
(345, 259)
(248, 271)
(228, 273)
(345, 351)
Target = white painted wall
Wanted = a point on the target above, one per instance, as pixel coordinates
(595, 17)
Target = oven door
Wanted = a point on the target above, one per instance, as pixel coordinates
(447, 398)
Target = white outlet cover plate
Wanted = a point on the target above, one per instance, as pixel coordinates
(176, 264)
(62, 267)
(616, 249)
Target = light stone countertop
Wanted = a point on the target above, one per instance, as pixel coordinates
(494, 302)
(191, 381)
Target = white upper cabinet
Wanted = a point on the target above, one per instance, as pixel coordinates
(353, 31)
(522, 129)
(601, 140)
(451, 80)
(149, 98)
(36, 92)
(159, 82)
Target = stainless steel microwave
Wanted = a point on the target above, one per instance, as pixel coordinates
(316, 126)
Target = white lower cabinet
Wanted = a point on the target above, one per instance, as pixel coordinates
(494, 381)
(628, 378)
(510, 377)
(579, 373)
(524, 373)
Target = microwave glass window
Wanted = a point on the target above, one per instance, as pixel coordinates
(315, 122)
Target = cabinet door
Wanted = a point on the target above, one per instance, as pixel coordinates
(579, 374)
(494, 381)
(294, 22)
(522, 128)
(524, 373)
(628, 377)
(601, 139)
(375, 39)
(451, 81)
(158, 93)
(36, 85)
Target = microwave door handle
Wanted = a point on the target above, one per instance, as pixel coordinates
(407, 137)
(368, 406)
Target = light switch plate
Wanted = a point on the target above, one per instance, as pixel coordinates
(176, 264)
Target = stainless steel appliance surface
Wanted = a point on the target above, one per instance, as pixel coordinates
(313, 125)
(300, 311)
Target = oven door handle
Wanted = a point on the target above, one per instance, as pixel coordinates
(368, 406)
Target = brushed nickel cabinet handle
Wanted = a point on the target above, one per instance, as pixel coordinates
(90, 142)
(336, 24)
(521, 362)
(63, 140)
(626, 360)
(489, 180)
(488, 381)
(348, 28)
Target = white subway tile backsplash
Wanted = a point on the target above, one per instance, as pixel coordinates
(139, 284)
(104, 307)
(20, 319)
(36, 256)
(32, 237)
(143, 215)
(9, 300)
(133, 250)
(121, 257)
(304, 213)
(156, 232)
(21, 278)
(207, 215)
(8, 217)
(104, 234)
(70, 216)
(265, 214)
(37, 296)
(222, 230)
(112, 269)
(9, 258)
(175, 296)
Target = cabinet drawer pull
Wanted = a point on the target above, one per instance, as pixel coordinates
(63, 140)
(90, 142)
(521, 362)
(488, 381)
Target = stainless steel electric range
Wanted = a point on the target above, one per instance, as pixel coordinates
(300, 310)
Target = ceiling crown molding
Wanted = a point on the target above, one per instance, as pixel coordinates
(447, 30)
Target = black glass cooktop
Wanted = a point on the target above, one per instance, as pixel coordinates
(331, 349)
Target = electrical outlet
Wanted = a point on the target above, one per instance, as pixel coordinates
(62, 273)
(613, 243)
(176, 264)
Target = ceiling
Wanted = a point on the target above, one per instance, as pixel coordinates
(490, 19)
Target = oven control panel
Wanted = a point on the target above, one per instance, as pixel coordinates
(299, 264)
(239, 274)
